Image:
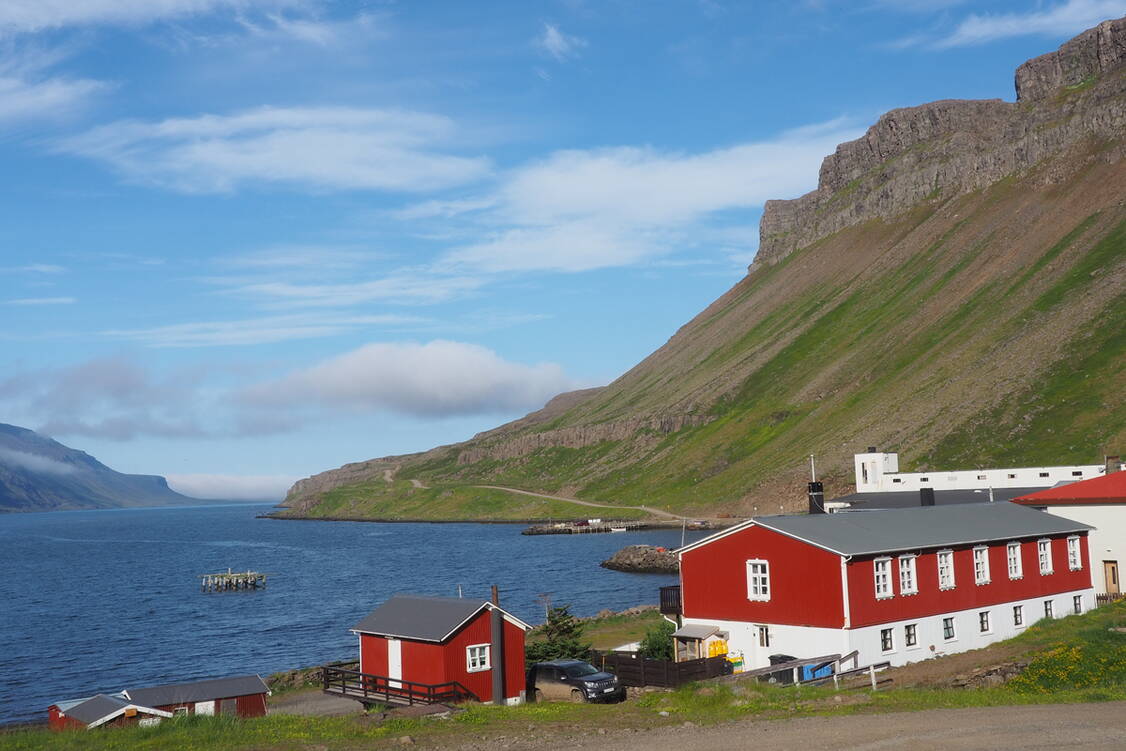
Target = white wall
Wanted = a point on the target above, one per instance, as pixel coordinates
(1106, 542)
(807, 641)
(879, 473)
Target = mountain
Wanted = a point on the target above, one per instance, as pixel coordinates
(953, 290)
(39, 474)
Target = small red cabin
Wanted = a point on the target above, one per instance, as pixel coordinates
(441, 648)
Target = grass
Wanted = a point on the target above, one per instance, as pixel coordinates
(614, 630)
(1074, 659)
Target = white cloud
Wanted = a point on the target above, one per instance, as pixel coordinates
(1065, 19)
(233, 487)
(557, 44)
(36, 268)
(43, 301)
(325, 148)
(265, 330)
(39, 15)
(29, 92)
(581, 210)
(34, 462)
(403, 287)
(437, 379)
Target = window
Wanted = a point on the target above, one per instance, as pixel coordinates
(981, 566)
(180, 711)
(1012, 476)
(882, 570)
(1077, 473)
(1049, 612)
(1043, 474)
(911, 635)
(887, 641)
(1077, 604)
(948, 629)
(1044, 553)
(983, 622)
(1016, 567)
(763, 636)
(897, 480)
(1074, 559)
(477, 658)
(924, 479)
(1018, 615)
(758, 580)
(908, 584)
(981, 477)
(945, 569)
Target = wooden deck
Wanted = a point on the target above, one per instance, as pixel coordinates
(380, 689)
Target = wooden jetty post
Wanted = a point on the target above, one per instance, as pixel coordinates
(231, 580)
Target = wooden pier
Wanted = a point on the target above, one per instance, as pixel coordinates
(231, 581)
(584, 528)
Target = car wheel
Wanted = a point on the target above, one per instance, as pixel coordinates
(577, 696)
(537, 696)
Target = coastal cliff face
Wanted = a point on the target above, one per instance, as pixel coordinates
(955, 289)
(955, 146)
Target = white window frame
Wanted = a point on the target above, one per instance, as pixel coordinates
(987, 621)
(948, 582)
(890, 632)
(762, 632)
(1018, 616)
(1015, 561)
(953, 629)
(758, 582)
(1074, 556)
(981, 565)
(881, 571)
(1077, 604)
(911, 630)
(1044, 556)
(908, 579)
(1049, 609)
(478, 657)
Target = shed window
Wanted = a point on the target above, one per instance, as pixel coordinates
(1074, 559)
(477, 657)
(881, 568)
(1044, 553)
(758, 580)
(1016, 567)
(981, 565)
(946, 569)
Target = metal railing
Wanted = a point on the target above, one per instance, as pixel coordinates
(371, 689)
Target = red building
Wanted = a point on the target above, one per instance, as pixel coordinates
(898, 585)
(438, 649)
(240, 696)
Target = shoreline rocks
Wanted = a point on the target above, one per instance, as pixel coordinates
(643, 559)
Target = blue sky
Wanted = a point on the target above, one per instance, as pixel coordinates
(242, 241)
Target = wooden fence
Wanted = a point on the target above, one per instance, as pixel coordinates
(637, 671)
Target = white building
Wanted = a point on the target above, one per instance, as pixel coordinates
(878, 472)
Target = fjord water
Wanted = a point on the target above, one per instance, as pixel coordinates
(96, 601)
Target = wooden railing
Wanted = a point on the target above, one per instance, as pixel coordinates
(1108, 597)
(670, 600)
(638, 671)
(371, 689)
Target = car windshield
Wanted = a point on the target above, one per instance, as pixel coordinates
(578, 671)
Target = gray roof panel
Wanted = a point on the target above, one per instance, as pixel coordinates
(911, 499)
(696, 631)
(417, 617)
(860, 533)
(183, 693)
(95, 708)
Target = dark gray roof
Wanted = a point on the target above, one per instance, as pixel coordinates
(179, 693)
(910, 498)
(417, 617)
(95, 708)
(859, 533)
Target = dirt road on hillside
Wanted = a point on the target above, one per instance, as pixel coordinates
(1093, 727)
(654, 511)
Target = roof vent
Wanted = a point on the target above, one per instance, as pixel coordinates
(926, 496)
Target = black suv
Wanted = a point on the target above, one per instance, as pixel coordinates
(573, 679)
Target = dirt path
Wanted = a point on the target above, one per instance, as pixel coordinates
(1093, 727)
(314, 703)
(654, 511)
(418, 484)
(388, 475)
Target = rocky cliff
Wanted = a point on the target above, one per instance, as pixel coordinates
(953, 290)
(39, 474)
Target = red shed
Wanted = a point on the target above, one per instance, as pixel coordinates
(431, 649)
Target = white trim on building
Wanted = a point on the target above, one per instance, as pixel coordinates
(879, 473)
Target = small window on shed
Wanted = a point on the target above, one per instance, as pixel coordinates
(477, 657)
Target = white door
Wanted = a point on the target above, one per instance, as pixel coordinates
(394, 661)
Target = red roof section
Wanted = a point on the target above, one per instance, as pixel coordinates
(1109, 488)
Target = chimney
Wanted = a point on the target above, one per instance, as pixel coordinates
(1112, 463)
(496, 650)
(926, 496)
(816, 498)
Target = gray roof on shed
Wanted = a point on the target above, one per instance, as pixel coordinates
(852, 533)
(95, 708)
(182, 693)
(696, 631)
(418, 617)
(910, 498)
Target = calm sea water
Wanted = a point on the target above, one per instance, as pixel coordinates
(100, 600)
